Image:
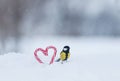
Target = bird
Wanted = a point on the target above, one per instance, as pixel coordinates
(64, 55)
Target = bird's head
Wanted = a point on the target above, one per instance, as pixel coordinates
(66, 48)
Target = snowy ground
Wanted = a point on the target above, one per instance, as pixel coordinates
(92, 59)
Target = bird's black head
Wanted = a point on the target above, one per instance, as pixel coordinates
(66, 48)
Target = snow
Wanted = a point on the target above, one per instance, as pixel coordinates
(92, 59)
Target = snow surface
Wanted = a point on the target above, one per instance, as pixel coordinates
(92, 59)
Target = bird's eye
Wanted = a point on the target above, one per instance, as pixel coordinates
(65, 49)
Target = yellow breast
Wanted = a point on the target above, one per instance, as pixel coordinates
(63, 56)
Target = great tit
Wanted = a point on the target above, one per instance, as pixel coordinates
(65, 54)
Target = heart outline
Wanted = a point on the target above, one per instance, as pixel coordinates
(45, 52)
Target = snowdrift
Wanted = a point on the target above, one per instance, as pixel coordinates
(92, 59)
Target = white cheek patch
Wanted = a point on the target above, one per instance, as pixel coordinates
(65, 49)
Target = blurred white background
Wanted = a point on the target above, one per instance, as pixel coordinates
(71, 18)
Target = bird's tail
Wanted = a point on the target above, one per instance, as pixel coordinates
(57, 60)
